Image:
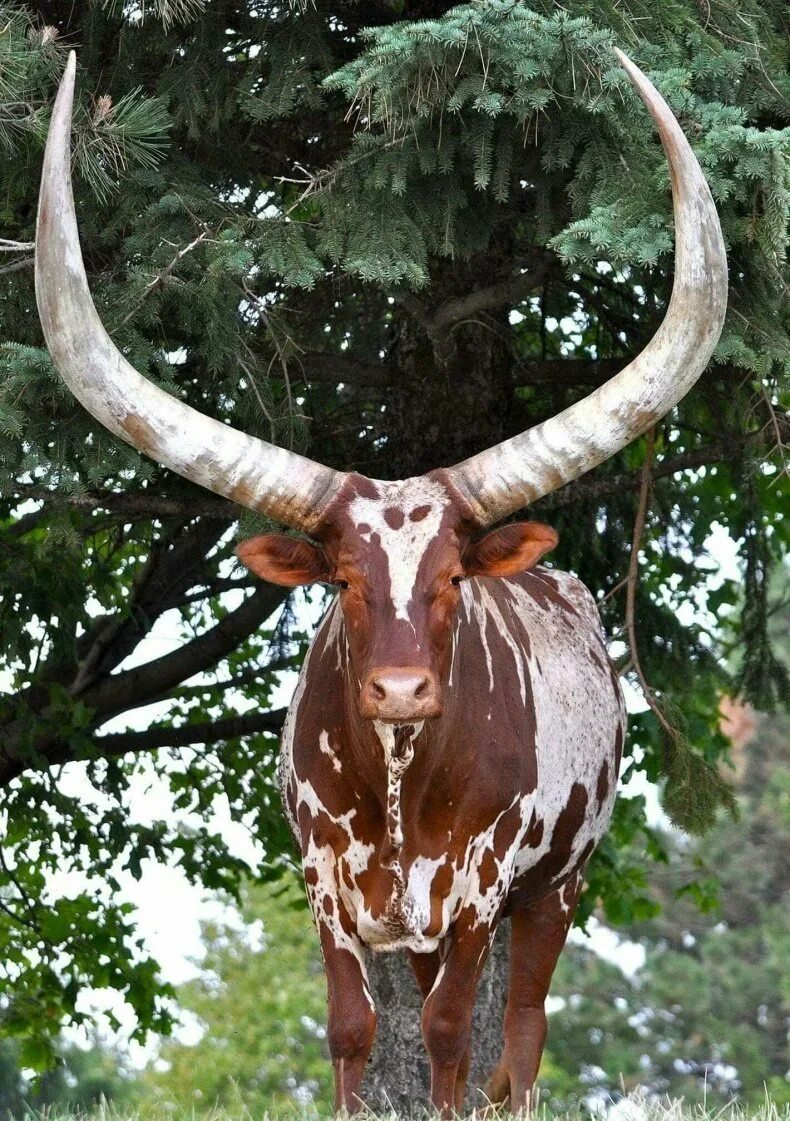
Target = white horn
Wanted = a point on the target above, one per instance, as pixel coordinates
(252, 472)
(511, 475)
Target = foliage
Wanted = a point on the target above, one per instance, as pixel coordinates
(482, 238)
(81, 1080)
(261, 1001)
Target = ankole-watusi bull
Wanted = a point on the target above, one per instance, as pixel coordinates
(451, 753)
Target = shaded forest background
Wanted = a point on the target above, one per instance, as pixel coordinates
(389, 235)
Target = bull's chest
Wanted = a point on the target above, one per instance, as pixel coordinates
(403, 869)
(409, 897)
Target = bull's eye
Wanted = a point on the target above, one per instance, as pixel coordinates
(456, 580)
(342, 584)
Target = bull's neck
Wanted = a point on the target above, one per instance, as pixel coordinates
(383, 753)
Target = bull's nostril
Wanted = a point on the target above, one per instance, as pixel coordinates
(421, 689)
(379, 692)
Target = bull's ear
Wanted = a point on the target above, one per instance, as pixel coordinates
(511, 549)
(283, 560)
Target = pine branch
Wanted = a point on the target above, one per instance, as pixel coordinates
(17, 266)
(334, 368)
(592, 488)
(139, 686)
(510, 291)
(176, 562)
(561, 373)
(247, 677)
(159, 278)
(566, 373)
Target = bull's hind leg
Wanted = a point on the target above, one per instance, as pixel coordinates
(538, 935)
(447, 1012)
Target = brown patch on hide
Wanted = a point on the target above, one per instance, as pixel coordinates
(534, 834)
(506, 830)
(440, 889)
(602, 785)
(544, 589)
(488, 870)
(532, 884)
(618, 748)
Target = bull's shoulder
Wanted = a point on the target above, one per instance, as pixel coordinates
(571, 593)
(548, 590)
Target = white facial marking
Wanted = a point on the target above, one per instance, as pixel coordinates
(406, 545)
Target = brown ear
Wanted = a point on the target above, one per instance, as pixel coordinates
(511, 549)
(283, 560)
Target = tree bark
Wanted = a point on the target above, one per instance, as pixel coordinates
(398, 1075)
(454, 389)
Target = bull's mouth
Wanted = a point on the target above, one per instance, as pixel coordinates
(401, 721)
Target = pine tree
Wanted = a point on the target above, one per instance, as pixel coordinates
(390, 241)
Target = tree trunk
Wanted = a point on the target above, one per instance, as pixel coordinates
(398, 1074)
(452, 397)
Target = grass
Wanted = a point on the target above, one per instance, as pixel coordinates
(635, 1107)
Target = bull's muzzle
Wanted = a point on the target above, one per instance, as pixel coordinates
(400, 694)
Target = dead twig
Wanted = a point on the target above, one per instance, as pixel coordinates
(7, 246)
(632, 581)
(160, 277)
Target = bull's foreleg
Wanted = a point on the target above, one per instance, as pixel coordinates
(426, 968)
(351, 1017)
(447, 1012)
(538, 935)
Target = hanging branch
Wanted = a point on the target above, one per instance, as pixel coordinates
(695, 789)
(632, 581)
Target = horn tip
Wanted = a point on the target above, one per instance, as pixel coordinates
(625, 61)
(70, 70)
(61, 113)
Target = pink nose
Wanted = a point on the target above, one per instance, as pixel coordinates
(399, 694)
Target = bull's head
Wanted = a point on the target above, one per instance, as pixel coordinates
(397, 550)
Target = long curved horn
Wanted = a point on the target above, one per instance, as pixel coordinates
(511, 475)
(252, 472)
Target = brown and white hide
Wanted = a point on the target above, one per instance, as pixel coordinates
(420, 837)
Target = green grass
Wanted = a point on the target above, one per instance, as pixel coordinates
(636, 1107)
